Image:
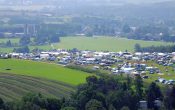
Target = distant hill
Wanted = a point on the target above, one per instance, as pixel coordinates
(163, 9)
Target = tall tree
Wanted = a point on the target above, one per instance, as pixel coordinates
(54, 38)
(129, 82)
(24, 49)
(126, 29)
(24, 41)
(1, 104)
(139, 87)
(170, 98)
(53, 104)
(8, 43)
(94, 104)
(153, 93)
(137, 48)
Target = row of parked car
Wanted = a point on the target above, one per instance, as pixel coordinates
(164, 81)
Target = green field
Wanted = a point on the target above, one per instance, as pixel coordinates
(13, 87)
(13, 40)
(102, 43)
(96, 43)
(4, 40)
(43, 70)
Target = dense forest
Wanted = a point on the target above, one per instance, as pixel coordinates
(102, 93)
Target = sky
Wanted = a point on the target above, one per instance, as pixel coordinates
(142, 1)
(98, 1)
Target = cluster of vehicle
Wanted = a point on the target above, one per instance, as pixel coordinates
(114, 62)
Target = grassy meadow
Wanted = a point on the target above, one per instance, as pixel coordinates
(43, 70)
(93, 43)
(13, 40)
(104, 43)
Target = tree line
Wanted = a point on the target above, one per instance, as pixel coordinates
(45, 30)
(168, 48)
(107, 92)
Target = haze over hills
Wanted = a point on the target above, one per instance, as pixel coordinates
(105, 8)
(157, 9)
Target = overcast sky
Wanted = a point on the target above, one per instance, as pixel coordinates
(143, 1)
(100, 1)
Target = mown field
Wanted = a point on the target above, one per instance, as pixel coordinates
(94, 43)
(13, 87)
(43, 70)
(19, 77)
